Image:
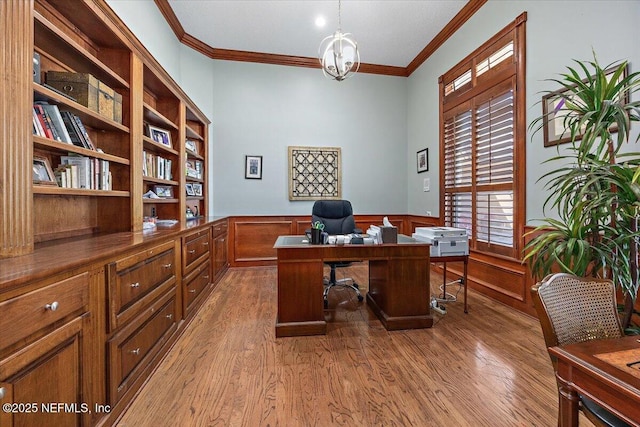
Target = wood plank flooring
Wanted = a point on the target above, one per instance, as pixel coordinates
(485, 368)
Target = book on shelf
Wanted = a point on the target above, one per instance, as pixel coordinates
(37, 126)
(89, 173)
(42, 118)
(57, 124)
(155, 166)
(72, 128)
(84, 133)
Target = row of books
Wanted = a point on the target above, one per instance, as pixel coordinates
(64, 126)
(155, 166)
(83, 172)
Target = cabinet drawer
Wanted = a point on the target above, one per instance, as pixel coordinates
(132, 350)
(28, 313)
(194, 247)
(196, 282)
(149, 272)
(219, 228)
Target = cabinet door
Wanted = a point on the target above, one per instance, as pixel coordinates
(42, 383)
(220, 258)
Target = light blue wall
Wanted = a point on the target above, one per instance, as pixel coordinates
(262, 109)
(379, 121)
(557, 32)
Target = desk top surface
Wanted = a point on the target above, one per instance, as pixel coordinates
(607, 357)
(303, 242)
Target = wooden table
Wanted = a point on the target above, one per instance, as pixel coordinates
(398, 283)
(597, 369)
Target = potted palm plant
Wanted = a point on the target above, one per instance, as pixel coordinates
(595, 188)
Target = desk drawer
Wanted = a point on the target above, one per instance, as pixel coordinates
(132, 278)
(196, 282)
(219, 228)
(25, 314)
(131, 351)
(194, 247)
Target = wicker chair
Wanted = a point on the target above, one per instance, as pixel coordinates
(573, 309)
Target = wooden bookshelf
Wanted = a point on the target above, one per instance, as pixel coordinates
(85, 36)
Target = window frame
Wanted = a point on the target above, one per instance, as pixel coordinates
(466, 97)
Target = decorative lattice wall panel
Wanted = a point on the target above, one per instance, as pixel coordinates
(314, 173)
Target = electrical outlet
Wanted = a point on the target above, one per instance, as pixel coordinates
(428, 213)
(440, 309)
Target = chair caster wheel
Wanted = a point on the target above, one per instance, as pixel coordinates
(360, 298)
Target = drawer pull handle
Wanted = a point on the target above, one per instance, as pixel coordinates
(167, 265)
(53, 306)
(2, 392)
(192, 251)
(136, 351)
(205, 277)
(135, 285)
(192, 291)
(205, 244)
(169, 316)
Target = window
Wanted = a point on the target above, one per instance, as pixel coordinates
(482, 141)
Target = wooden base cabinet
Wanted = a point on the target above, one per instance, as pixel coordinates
(220, 251)
(45, 352)
(135, 350)
(42, 384)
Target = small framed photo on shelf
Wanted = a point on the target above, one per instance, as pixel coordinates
(253, 167)
(42, 172)
(191, 146)
(197, 189)
(161, 136)
(191, 169)
(190, 191)
(163, 191)
(422, 158)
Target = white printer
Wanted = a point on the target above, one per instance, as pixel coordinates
(445, 241)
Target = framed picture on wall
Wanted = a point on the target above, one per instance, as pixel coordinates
(422, 158)
(253, 167)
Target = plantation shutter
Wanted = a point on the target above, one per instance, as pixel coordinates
(494, 171)
(458, 174)
(480, 138)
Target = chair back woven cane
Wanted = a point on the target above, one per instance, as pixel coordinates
(574, 309)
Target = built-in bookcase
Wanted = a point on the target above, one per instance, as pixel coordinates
(195, 155)
(70, 39)
(84, 36)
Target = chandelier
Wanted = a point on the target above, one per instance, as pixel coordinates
(338, 53)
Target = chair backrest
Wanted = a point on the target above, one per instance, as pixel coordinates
(336, 215)
(572, 309)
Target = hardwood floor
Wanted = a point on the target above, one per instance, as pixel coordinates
(486, 368)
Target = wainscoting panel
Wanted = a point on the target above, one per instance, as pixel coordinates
(253, 240)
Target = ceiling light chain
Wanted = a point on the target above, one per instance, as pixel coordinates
(338, 53)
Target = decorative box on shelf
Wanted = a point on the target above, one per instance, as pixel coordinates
(88, 91)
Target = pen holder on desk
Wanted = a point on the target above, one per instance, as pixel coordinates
(316, 236)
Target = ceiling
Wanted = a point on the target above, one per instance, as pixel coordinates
(388, 32)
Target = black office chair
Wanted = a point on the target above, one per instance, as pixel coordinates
(337, 217)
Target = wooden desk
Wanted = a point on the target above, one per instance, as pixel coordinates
(398, 283)
(597, 369)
